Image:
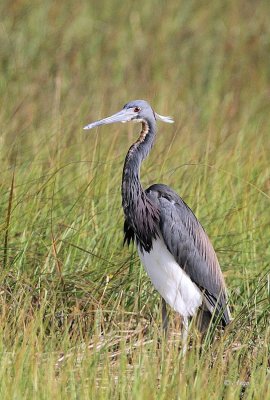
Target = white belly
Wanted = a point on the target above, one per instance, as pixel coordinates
(170, 280)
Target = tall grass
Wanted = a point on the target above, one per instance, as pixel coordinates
(79, 318)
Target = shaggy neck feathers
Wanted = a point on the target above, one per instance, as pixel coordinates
(141, 216)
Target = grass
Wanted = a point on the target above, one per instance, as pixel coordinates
(79, 318)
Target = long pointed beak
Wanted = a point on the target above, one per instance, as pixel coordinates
(124, 115)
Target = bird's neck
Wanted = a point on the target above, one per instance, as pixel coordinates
(131, 185)
(141, 215)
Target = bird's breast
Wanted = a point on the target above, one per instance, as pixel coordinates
(170, 280)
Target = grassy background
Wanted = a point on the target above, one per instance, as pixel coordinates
(79, 318)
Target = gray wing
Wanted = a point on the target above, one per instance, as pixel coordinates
(187, 241)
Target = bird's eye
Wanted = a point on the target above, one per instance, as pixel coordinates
(137, 109)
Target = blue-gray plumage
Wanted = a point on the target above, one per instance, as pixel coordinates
(173, 246)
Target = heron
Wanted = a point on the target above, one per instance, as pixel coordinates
(172, 244)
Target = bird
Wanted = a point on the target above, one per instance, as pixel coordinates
(172, 244)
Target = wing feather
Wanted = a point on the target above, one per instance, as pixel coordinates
(186, 239)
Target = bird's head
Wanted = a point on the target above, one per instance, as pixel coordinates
(137, 111)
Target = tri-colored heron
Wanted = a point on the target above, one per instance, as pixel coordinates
(172, 244)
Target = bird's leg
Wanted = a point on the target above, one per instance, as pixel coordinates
(164, 317)
(184, 334)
